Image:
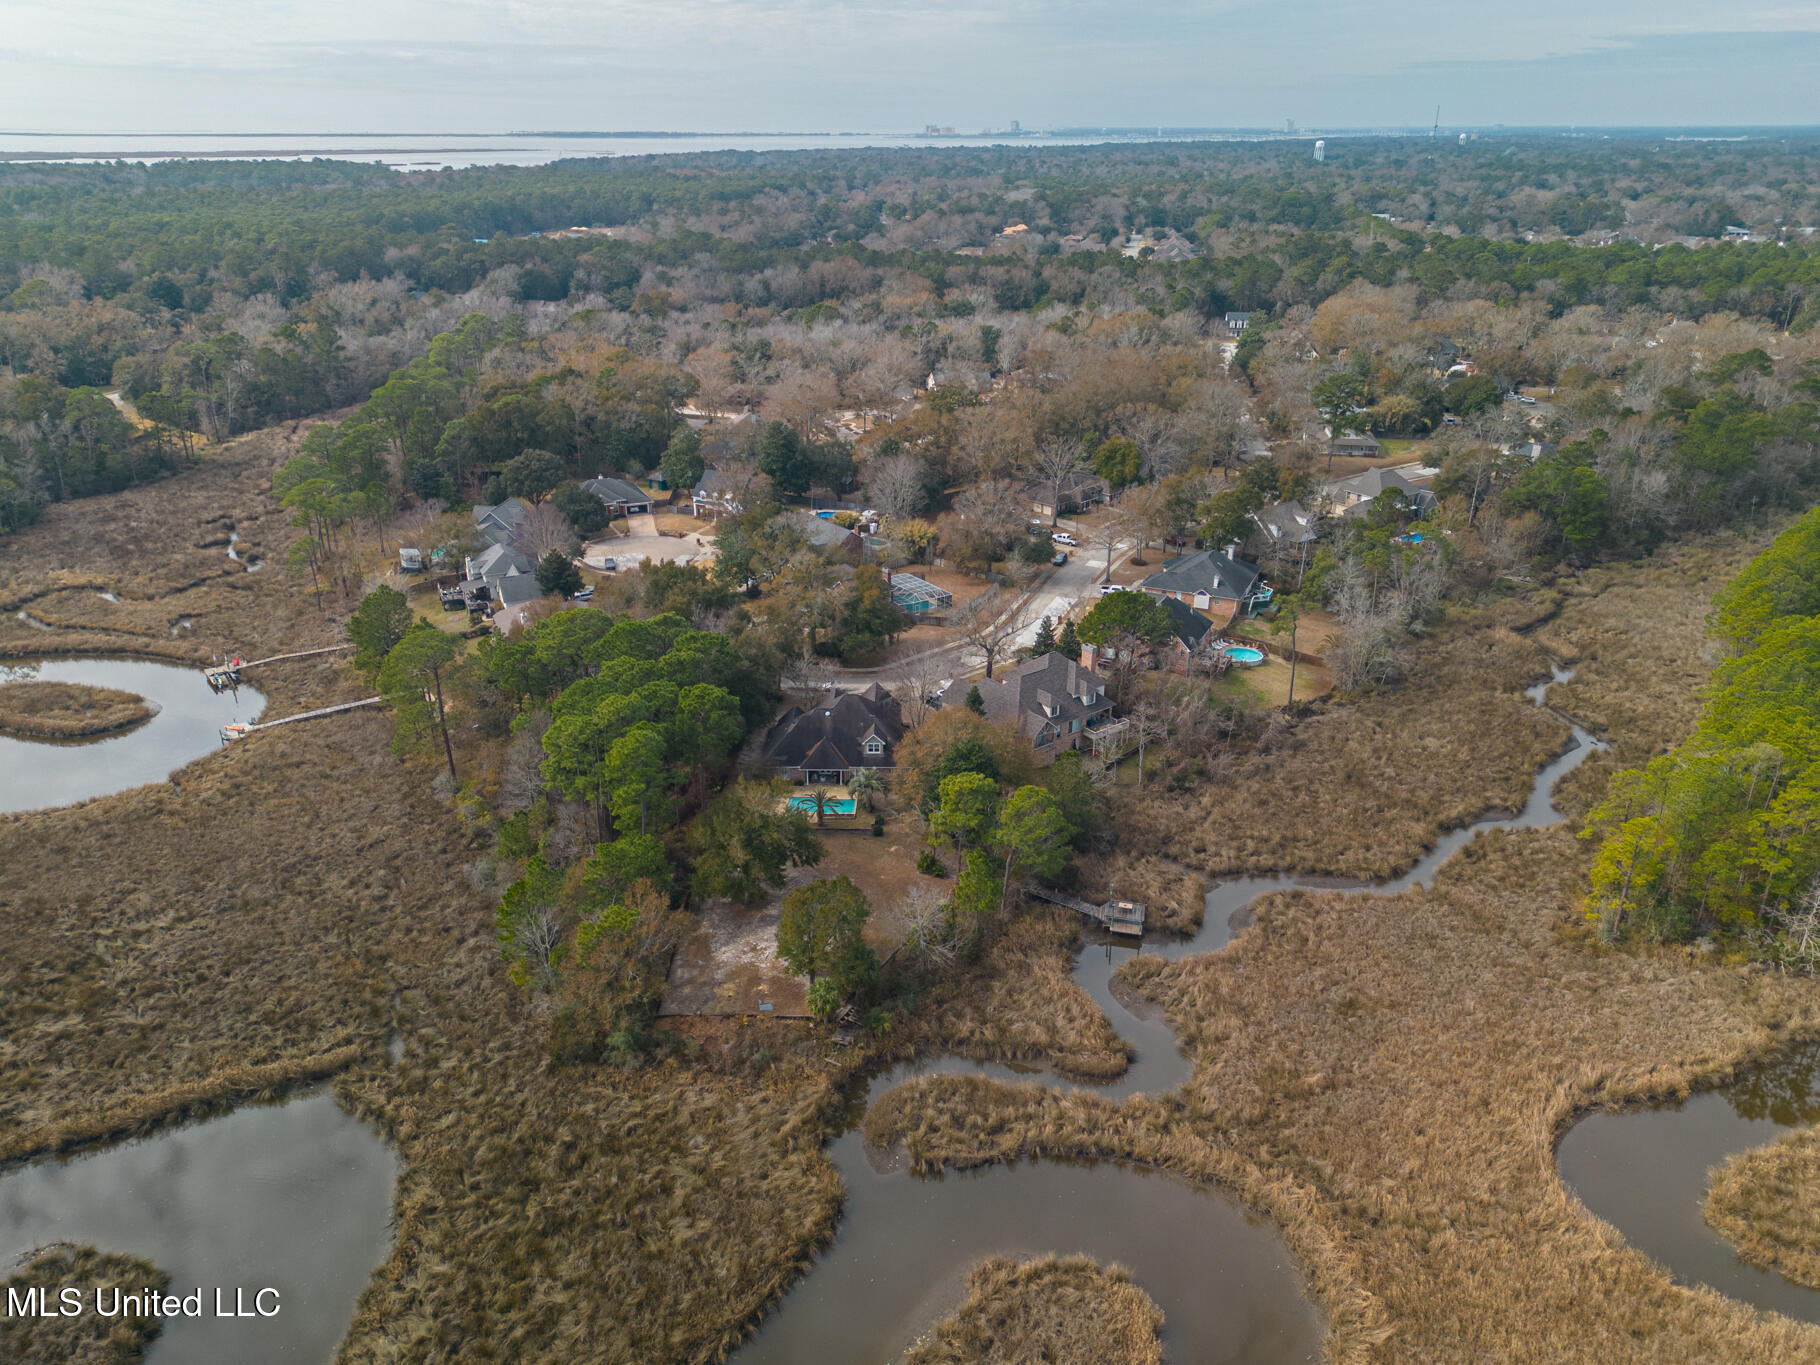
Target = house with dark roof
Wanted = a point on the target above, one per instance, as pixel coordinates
(1237, 322)
(827, 743)
(1214, 581)
(621, 497)
(1533, 450)
(1191, 635)
(499, 522)
(1054, 702)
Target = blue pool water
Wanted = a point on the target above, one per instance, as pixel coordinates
(1243, 654)
(831, 806)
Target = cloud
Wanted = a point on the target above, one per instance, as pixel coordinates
(271, 65)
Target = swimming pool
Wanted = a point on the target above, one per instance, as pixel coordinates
(1243, 654)
(830, 806)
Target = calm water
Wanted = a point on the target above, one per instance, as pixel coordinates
(423, 152)
(295, 1196)
(36, 774)
(1644, 1171)
(1227, 1285)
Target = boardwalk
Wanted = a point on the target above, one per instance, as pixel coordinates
(240, 729)
(1121, 917)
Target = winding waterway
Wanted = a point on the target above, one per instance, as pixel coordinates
(1226, 1282)
(1644, 1171)
(294, 1196)
(39, 774)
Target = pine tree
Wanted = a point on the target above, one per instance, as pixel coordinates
(1068, 643)
(975, 702)
(1045, 639)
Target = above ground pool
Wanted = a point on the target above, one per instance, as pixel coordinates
(1242, 654)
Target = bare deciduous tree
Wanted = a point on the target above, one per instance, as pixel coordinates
(543, 529)
(992, 624)
(895, 485)
(1054, 465)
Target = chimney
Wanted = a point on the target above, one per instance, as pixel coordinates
(1232, 550)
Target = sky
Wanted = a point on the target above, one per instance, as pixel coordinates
(433, 66)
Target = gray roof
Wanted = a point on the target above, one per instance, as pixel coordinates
(821, 532)
(515, 589)
(1353, 440)
(1214, 572)
(493, 564)
(832, 735)
(1368, 485)
(1533, 450)
(716, 485)
(1189, 625)
(615, 491)
(1286, 522)
(1044, 692)
(498, 521)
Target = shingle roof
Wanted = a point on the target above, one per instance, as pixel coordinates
(1024, 697)
(496, 562)
(1189, 625)
(833, 734)
(1213, 572)
(1369, 484)
(1288, 521)
(517, 588)
(615, 491)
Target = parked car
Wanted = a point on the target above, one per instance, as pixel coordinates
(1063, 538)
(1061, 558)
(585, 595)
(610, 565)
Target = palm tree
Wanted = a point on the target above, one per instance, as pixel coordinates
(820, 797)
(865, 785)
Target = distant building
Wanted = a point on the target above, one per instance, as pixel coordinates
(1356, 445)
(1286, 523)
(1237, 322)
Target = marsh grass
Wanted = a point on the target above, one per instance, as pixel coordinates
(89, 1339)
(1061, 1310)
(1766, 1203)
(57, 710)
(272, 916)
(1021, 1005)
(1386, 1077)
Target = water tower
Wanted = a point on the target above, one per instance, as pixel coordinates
(1320, 149)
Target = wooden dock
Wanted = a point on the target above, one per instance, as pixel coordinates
(240, 729)
(226, 677)
(1116, 916)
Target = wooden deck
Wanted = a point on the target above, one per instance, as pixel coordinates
(1119, 917)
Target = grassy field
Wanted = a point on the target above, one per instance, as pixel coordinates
(52, 710)
(1058, 1310)
(1766, 1203)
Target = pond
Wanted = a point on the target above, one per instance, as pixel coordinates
(1225, 1280)
(294, 1196)
(1644, 1171)
(38, 774)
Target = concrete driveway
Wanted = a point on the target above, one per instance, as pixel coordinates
(643, 545)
